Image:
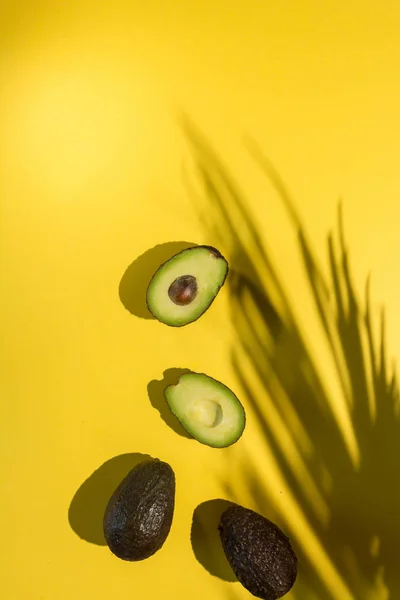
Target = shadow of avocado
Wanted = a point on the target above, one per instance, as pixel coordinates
(155, 390)
(134, 283)
(206, 541)
(87, 508)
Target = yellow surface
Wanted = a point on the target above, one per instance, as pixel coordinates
(95, 170)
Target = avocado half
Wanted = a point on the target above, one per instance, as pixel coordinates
(207, 409)
(139, 515)
(185, 286)
(259, 553)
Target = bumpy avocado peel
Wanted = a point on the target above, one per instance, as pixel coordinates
(139, 514)
(259, 553)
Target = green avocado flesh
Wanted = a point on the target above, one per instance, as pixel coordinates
(139, 514)
(207, 409)
(185, 286)
(259, 553)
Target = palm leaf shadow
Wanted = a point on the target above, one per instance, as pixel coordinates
(355, 517)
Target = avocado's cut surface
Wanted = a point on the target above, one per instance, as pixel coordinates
(259, 553)
(139, 514)
(185, 286)
(207, 409)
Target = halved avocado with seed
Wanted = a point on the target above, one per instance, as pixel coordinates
(184, 287)
(207, 409)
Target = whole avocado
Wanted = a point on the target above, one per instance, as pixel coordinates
(139, 514)
(259, 553)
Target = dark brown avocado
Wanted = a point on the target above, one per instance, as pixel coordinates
(139, 515)
(259, 553)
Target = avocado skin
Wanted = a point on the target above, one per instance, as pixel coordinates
(259, 553)
(139, 514)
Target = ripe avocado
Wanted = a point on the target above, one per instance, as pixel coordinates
(184, 287)
(259, 553)
(139, 515)
(207, 409)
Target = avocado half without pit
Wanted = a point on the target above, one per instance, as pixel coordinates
(184, 287)
(139, 514)
(207, 409)
(259, 553)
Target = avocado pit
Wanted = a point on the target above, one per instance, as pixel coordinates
(183, 290)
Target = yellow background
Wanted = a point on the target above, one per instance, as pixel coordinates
(94, 172)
